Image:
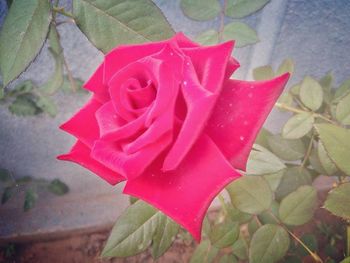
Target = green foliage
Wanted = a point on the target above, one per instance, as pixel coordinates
(263, 73)
(22, 36)
(311, 93)
(289, 150)
(201, 10)
(109, 23)
(298, 126)
(57, 187)
(204, 253)
(241, 33)
(29, 200)
(242, 8)
(24, 105)
(209, 37)
(224, 234)
(338, 201)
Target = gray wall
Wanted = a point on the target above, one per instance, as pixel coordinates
(314, 33)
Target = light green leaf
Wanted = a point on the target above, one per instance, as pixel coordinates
(110, 23)
(242, 34)
(342, 111)
(295, 89)
(287, 149)
(204, 253)
(164, 236)
(342, 91)
(315, 162)
(345, 260)
(240, 248)
(209, 37)
(269, 244)
(22, 36)
(286, 66)
(24, 105)
(201, 10)
(274, 179)
(261, 161)
(298, 126)
(326, 84)
(57, 187)
(262, 137)
(325, 161)
(250, 194)
(242, 8)
(224, 234)
(338, 201)
(253, 225)
(47, 105)
(293, 178)
(287, 99)
(22, 88)
(133, 231)
(29, 200)
(228, 258)
(336, 143)
(237, 215)
(311, 93)
(263, 73)
(298, 207)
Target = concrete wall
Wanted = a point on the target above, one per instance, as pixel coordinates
(315, 33)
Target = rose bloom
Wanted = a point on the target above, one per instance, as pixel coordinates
(166, 118)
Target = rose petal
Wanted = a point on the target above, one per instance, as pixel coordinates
(83, 124)
(129, 165)
(95, 84)
(240, 113)
(200, 95)
(186, 193)
(80, 154)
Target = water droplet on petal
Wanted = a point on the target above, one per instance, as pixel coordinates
(171, 53)
(241, 138)
(185, 82)
(187, 63)
(245, 122)
(252, 87)
(230, 105)
(250, 95)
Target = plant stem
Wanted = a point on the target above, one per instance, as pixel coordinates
(223, 204)
(61, 11)
(348, 240)
(308, 152)
(313, 254)
(222, 20)
(70, 75)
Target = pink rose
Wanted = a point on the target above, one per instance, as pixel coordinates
(167, 118)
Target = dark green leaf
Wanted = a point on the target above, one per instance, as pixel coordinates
(310, 241)
(30, 199)
(164, 236)
(338, 201)
(287, 149)
(110, 23)
(242, 8)
(209, 37)
(242, 34)
(253, 225)
(22, 36)
(266, 217)
(201, 9)
(47, 105)
(298, 126)
(224, 234)
(204, 253)
(24, 105)
(337, 144)
(269, 244)
(7, 194)
(58, 187)
(132, 199)
(24, 87)
(133, 231)
(250, 194)
(298, 207)
(311, 93)
(5, 175)
(263, 73)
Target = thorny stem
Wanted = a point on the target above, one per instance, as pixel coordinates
(308, 152)
(222, 20)
(61, 11)
(313, 254)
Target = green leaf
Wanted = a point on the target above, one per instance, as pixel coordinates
(7, 194)
(5, 175)
(315, 162)
(287, 149)
(204, 253)
(266, 217)
(342, 91)
(263, 73)
(29, 200)
(224, 234)
(297, 208)
(269, 244)
(228, 258)
(286, 66)
(201, 10)
(2, 92)
(237, 215)
(293, 178)
(242, 34)
(22, 36)
(132, 199)
(262, 138)
(67, 86)
(345, 260)
(240, 248)
(253, 225)
(261, 161)
(310, 241)
(22, 88)
(209, 37)
(342, 111)
(58, 187)
(110, 23)
(56, 80)
(325, 161)
(242, 8)
(295, 90)
(250, 194)
(24, 105)
(338, 201)
(133, 231)
(326, 84)
(298, 126)
(164, 236)
(287, 99)
(311, 93)
(274, 179)
(47, 105)
(336, 143)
